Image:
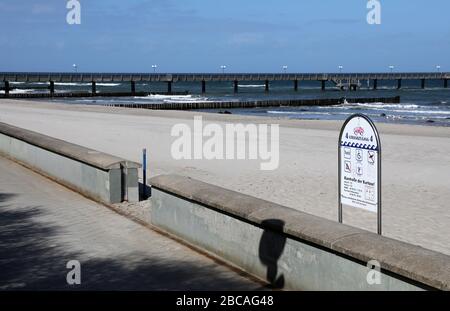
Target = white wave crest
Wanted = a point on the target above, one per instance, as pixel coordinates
(84, 84)
(445, 112)
(251, 85)
(306, 113)
(382, 105)
(174, 98)
(18, 91)
(108, 84)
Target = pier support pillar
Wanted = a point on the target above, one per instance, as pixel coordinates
(375, 84)
(423, 83)
(203, 87)
(7, 88)
(169, 87)
(133, 88)
(94, 88)
(267, 86)
(296, 85)
(323, 85)
(236, 86)
(399, 84)
(446, 83)
(52, 88)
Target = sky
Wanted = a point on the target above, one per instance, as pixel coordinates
(244, 35)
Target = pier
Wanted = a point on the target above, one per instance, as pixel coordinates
(350, 81)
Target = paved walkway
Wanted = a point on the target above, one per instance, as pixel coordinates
(43, 226)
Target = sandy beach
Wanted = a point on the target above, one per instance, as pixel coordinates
(416, 162)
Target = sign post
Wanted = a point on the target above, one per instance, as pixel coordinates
(360, 166)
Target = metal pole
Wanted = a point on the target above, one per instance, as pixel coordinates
(339, 180)
(380, 227)
(144, 173)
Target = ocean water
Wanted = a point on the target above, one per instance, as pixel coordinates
(430, 106)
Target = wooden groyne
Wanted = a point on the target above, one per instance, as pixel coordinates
(255, 103)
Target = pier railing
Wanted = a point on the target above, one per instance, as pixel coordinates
(197, 77)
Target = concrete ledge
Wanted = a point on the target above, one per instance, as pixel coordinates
(97, 175)
(273, 242)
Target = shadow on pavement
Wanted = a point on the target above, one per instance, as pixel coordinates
(31, 259)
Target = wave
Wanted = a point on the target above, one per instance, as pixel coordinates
(71, 84)
(85, 84)
(108, 84)
(382, 105)
(160, 96)
(446, 112)
(174, 98)
(19, 91)
(74, 83)
(306, 112)
(251, 85)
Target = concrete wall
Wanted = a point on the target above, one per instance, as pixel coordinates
(289, 249)
(100, 176)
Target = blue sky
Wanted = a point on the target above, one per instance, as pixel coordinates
(245, 35)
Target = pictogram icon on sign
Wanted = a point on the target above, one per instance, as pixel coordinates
(348, 166)
(347, 153)
(371, 157)
(359, 155)
(359, 169)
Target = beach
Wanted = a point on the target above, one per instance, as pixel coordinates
(415, 162)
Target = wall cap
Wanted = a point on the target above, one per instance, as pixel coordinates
(79, 153)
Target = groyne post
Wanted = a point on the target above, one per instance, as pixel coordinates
(133, 88)
(236, 86)
(446, 83)
(94, 88)
(375, 84)
(323, 85)
(296, 85)
(203, 86)
(423, 83)
(6, 88)
(52, 88)
(169, 87)
(267, 86)
(399, 84)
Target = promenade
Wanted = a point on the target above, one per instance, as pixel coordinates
(44, 225)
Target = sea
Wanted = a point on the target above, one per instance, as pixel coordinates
(429, 106)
